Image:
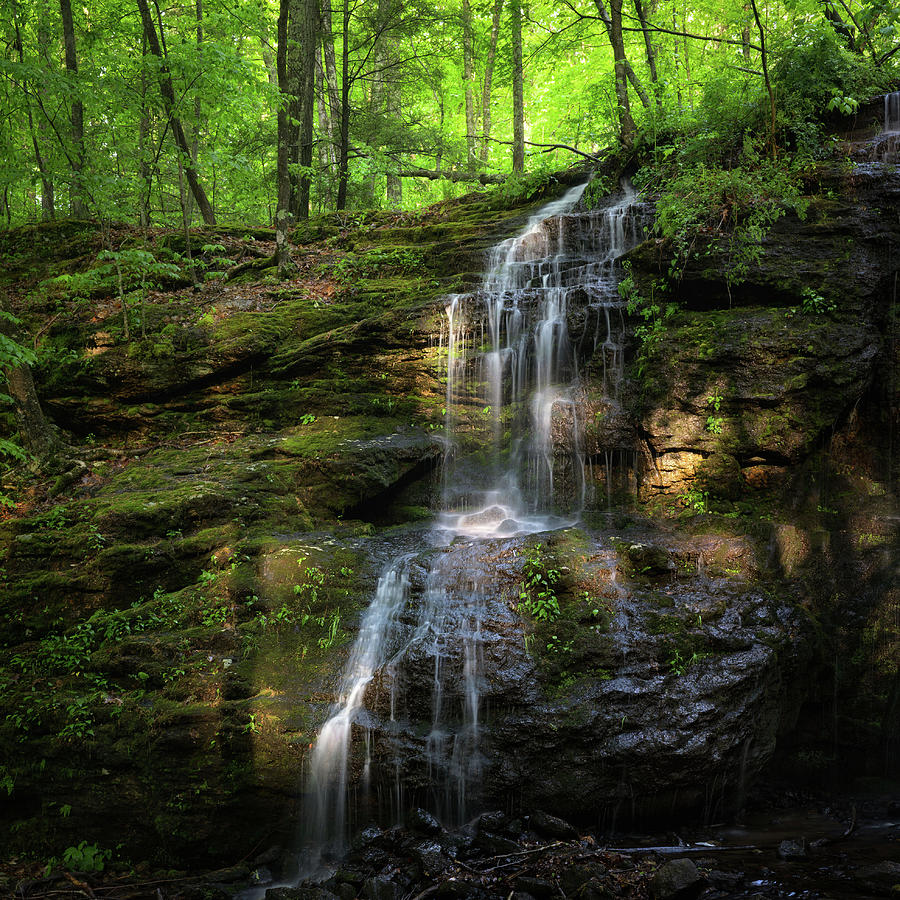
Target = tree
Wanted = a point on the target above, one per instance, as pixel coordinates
(78, 204)
(35, 432)
(167, 92)
(518, 161)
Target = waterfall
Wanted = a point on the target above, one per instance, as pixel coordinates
(324, 827)
(511, 354)
(892, 113)
(515, 465)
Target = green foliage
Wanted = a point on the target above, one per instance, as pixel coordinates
(86, 857)
(814, 304)
(732, 208)
(537, 591)
(378, 262)
(713, 422)
(655, 311)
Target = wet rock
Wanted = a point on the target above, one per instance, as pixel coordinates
(881, 878)
(370, 835)
(596, 890)
(497, 845)
(430, 856)
(348, 876)
(492, 821)
(676, 880)
(423, 821)
(380, 888)
(552, 826)
(301, 892)
(574, 877)
(724, 881)
(536, 887)
(455, 889)
(268, 857)
(648, 560)
(792, 849)
(262, 875)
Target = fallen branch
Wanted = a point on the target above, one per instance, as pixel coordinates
(451, 175)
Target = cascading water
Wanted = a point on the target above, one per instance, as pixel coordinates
(513, 388)
(562, 268)
(892, 113)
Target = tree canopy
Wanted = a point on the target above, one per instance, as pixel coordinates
(173, 112)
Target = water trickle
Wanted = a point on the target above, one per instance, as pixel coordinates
(892, 113)
(515, 352)
(550, 298)
(324, 828)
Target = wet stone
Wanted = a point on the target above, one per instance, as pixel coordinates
(537, 887)
(574, 877)
(493, 821)
(552, 826)
(380, 889)
(423, 821)
(431, 857)
(455, 889)
(596, 890)
(676, 880)
(792, 849)
(262, 875)
(497, 845)
(368, 836)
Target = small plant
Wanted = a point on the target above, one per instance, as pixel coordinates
(814, 304)
(679, 664)
(537, 593)
(714, 422)
(695, 500)
(307, 419)
(86, 857)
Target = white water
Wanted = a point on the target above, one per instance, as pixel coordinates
(510, 352)
(513, 367)
(892, 113)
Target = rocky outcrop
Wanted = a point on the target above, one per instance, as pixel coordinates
(749, 379)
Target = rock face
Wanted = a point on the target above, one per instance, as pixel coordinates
(174, 623)
(749, 380)
(643, 696)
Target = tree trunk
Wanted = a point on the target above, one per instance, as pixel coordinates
(168, 94)
(648, 44)
(79, 207)
(287, 138)
(385, 91)
(611, 28)
(344, 161)
(146, 168)
(266, 53)
(627, 129)
(308, 37)
(518, 92)
(469, 80)
(488, 78)
(38, 436)
(48, 208)
(764, 58)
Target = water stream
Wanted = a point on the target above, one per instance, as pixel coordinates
(516, 465)
(892, 113)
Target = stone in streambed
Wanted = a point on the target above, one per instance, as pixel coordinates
(536, 887)
(380, 889)
(676, 880)
(792, 849)
(552, 826)
(423, 821)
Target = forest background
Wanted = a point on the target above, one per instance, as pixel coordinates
(230, 110)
